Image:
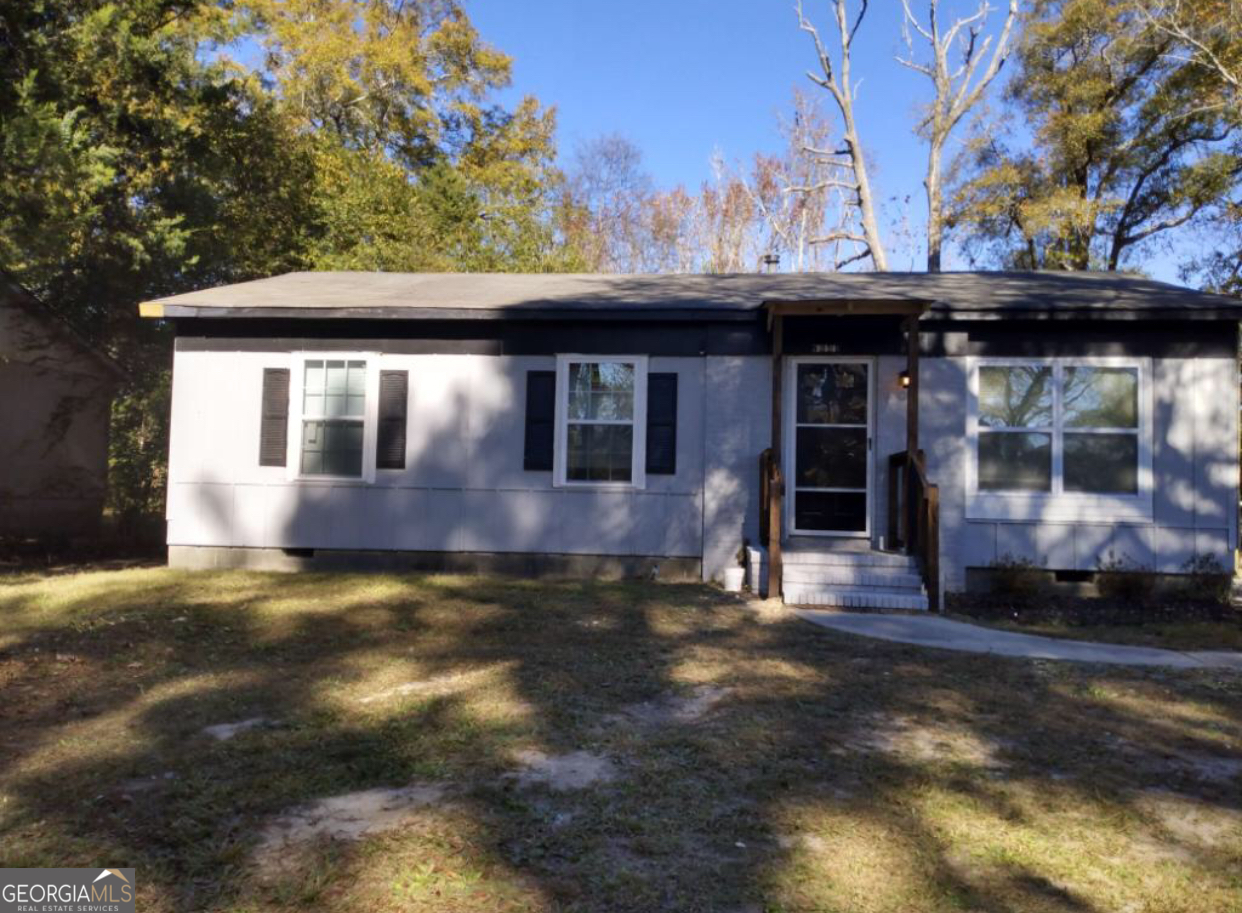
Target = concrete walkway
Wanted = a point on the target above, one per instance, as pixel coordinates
(944, 634)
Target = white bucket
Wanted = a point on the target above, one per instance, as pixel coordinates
(733, 579)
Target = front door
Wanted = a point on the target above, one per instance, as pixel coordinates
(828, 446)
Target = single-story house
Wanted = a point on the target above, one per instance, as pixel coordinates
(55, 402)
(872, 439)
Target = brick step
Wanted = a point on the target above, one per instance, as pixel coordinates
(848, 559)
(847, 597)
(870, 575)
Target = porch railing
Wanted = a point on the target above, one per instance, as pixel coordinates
(914, 517)
(771, 493)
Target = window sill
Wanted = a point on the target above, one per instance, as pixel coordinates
(1064, 508)
(599, 486)
(332, 480)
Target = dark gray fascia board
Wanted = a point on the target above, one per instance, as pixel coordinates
(949, 315)
(584, 314)
(936, 313)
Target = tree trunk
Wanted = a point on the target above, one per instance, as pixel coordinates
(842, 91)
(956, 91)
(871, 225)
(866, 205)
(935, 209)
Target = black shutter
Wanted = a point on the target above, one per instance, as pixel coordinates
(540, 420)
(662, 424)
(274, 427)
(394, 387)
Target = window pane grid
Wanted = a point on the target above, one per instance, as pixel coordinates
(831, 393)
(333, 417)
(600, 418)
(1017, 396)
(334, 388)
(601, 391)
(1061, 456)
(1092, 394)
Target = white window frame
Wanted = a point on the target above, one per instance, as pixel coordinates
(560, 456)
(1058, 504)
(370, 421)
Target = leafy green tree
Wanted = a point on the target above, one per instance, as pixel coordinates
(137, 159)
(405, 77)
(1208, 34)
(133, 167)
(1124, 149)
(368, 212)
(138, 449)
(420, 168)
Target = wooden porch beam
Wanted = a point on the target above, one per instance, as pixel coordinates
(776, 492)
(912, 424)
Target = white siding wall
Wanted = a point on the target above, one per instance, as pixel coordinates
(463, 489)
(1195, 479)
(738, 427)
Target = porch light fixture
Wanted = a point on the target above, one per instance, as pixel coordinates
(904, 379)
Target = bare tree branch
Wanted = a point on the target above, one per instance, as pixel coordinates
(955, 90)
(841, 235)
(1171, 19)
(835, 77)
(820, 185)
(846, 261)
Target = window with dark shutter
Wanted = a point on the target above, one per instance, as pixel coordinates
(662, 424)
(540, 420)
(274, 426)
(390, 438)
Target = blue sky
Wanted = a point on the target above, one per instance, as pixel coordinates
(685, 78)
(682, 78)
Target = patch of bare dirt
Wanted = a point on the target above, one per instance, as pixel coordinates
(142, 787)
(1210, 768)
(916, 740)
(812, 843)
(669, 709)
(1191, 822)
(1172, 761)
(348, 817)
(563, 772)
(224, 731)
(1150, 850)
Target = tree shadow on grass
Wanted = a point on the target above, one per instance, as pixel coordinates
(830, 773)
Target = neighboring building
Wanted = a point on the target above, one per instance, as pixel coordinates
(619, 424)
(55, 397)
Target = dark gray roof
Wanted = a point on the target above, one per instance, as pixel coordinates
(960, 295)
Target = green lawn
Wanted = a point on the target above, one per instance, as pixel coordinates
(745, 761)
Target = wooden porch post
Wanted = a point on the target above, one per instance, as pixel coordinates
(776, 491)
(912, 426)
